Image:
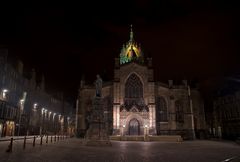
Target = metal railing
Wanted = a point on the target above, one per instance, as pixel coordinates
(40, 140)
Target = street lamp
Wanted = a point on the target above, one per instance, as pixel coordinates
(49, 113)
(59, 122)
(123, 127)
(42, 116)
(191, 111)
(54, 114)
(4, 93)
(54, 126)
(45, 121)
(20, 114)
(35, 107)
(68, 127)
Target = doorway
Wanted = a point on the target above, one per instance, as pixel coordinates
(134, 127)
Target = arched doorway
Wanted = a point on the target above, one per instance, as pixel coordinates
(134, 127)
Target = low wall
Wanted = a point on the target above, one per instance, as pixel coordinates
(163, 138)
(167, 138)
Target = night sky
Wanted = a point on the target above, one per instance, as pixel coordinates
(186, 39)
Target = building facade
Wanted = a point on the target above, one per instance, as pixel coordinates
(136, 104)
(226, 111)
(25, 107)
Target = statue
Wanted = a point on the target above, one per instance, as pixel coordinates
(98, 84)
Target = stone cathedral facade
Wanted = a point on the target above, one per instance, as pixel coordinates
(136, 104)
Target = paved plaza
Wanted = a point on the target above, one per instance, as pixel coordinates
(74, 150)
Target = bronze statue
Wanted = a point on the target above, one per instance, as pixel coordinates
(98, 84)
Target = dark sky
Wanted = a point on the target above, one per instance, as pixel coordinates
(186, 39)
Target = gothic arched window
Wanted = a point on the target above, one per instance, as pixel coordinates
(179, 111)
(133, 87)
(161, 110)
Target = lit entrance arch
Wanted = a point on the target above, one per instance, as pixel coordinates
(134, 127)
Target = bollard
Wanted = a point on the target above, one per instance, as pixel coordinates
(34, 139)
(51, 139)
(10, 146)
(58, 138)
(41, 140)
(47, 139)
(24, 142)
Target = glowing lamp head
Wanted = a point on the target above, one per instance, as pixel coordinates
(21, 101)
(5, 90)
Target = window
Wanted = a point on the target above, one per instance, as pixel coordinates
(161, 110)
(133, 87)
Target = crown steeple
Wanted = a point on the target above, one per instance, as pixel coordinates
(131, 34)
(131, 51)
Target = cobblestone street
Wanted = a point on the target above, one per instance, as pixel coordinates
(74, 150)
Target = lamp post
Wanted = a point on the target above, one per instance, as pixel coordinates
(21, 107)
(34, 118)
(123, 127)
(59, 123)
(68, 125)
(192, 114)
(146, 132)
(54, 126)
(45, 121)
(4, 93)
(20, 115)
(41, 125)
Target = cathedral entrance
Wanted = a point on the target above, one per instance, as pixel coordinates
(134, 127)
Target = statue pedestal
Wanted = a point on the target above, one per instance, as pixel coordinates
(97, 132)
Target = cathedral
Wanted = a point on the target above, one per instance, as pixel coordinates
(135, 104)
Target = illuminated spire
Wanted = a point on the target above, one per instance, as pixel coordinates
(131, 34)
(131, 51)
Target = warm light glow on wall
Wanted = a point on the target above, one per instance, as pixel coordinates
(4, 92)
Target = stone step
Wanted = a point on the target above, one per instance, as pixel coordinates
(163, 138)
